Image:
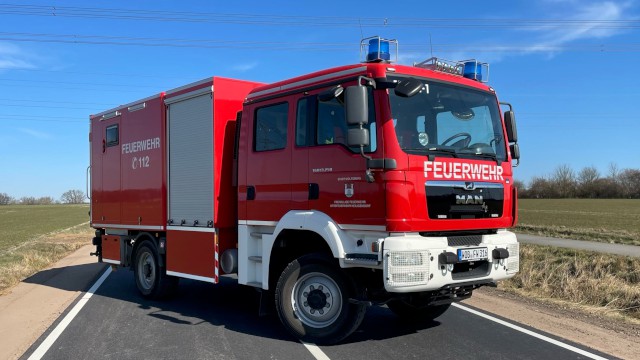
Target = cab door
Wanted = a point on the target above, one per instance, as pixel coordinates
(338, 170)
(268, 164)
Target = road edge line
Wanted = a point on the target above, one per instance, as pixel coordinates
(53, 336)
(531, 333)
(315, 351)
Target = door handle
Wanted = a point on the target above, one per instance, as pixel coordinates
(251, 192)
(314, 191)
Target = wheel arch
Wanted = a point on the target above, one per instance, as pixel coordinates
(296, 234)
(140, 238)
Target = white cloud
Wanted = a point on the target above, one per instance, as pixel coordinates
(591, 21)
(245, 67)
(13, 57)
(35, 133)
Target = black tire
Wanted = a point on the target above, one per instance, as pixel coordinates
(408, 311)
(151, 279)
(312, 300)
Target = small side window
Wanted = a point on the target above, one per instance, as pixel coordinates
(271, 127)
(305, 131)
(112, 135)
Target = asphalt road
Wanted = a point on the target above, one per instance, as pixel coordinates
(206, 321)
(616, 249)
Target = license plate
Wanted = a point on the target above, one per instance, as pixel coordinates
(473, 254)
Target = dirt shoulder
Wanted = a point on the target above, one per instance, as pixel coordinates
(615, 337)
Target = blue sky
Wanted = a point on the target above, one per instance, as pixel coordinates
(570, 68)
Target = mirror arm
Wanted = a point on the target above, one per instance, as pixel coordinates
(368, 81)
(507, 104)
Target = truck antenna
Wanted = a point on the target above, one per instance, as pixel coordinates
(431, 44)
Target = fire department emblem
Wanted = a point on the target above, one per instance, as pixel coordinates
(348, 190)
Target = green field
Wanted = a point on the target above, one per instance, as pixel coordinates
(605, 220)
(20, 223)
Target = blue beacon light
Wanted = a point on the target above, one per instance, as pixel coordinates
(378, 50)
(472, 70)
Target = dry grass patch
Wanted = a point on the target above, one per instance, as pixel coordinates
(609, 283)
(28, 258)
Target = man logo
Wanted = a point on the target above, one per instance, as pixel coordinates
(469, 200)
(348, 190)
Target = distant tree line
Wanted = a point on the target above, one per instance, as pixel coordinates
(588, 183)
(69, 197)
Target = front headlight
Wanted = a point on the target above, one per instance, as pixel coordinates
(406, 259)
(407, 268)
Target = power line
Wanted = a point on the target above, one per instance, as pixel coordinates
(295, 46)
(303, 20)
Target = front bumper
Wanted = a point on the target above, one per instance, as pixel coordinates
(414, 263)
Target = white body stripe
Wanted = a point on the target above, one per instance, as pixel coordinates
(191, 228)
(193, 277)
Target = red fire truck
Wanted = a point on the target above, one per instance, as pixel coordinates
(367, 184)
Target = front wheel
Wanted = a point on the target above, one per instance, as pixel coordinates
(312, 299)
(151, 280)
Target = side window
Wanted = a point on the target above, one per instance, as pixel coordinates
(332, 126)
(270, 130)
(112, 135)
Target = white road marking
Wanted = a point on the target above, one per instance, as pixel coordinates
(53, 336)
(531, 333)
(315, 351)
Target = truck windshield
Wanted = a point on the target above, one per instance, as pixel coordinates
(447, 120)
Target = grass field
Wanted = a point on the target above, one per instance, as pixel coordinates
(33, 237)
(614, 221)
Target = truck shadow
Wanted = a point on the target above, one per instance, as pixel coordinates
(69, 278)
(235, 307)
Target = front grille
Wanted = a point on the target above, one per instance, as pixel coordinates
(466, 240)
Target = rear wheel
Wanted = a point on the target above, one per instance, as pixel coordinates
(312, 299)
(151, 279)
(409, 311)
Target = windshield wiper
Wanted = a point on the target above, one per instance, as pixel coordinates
(491, 156)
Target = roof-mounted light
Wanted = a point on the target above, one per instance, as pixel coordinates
(471, 69)
(377, 49)
(475, 70)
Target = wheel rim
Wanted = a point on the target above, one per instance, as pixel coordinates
(146, 270)
(316, 300)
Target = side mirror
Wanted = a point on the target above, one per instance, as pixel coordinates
(358, 137)
(408, 87)
(356, 105)
(510, 124)
(515, 151)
